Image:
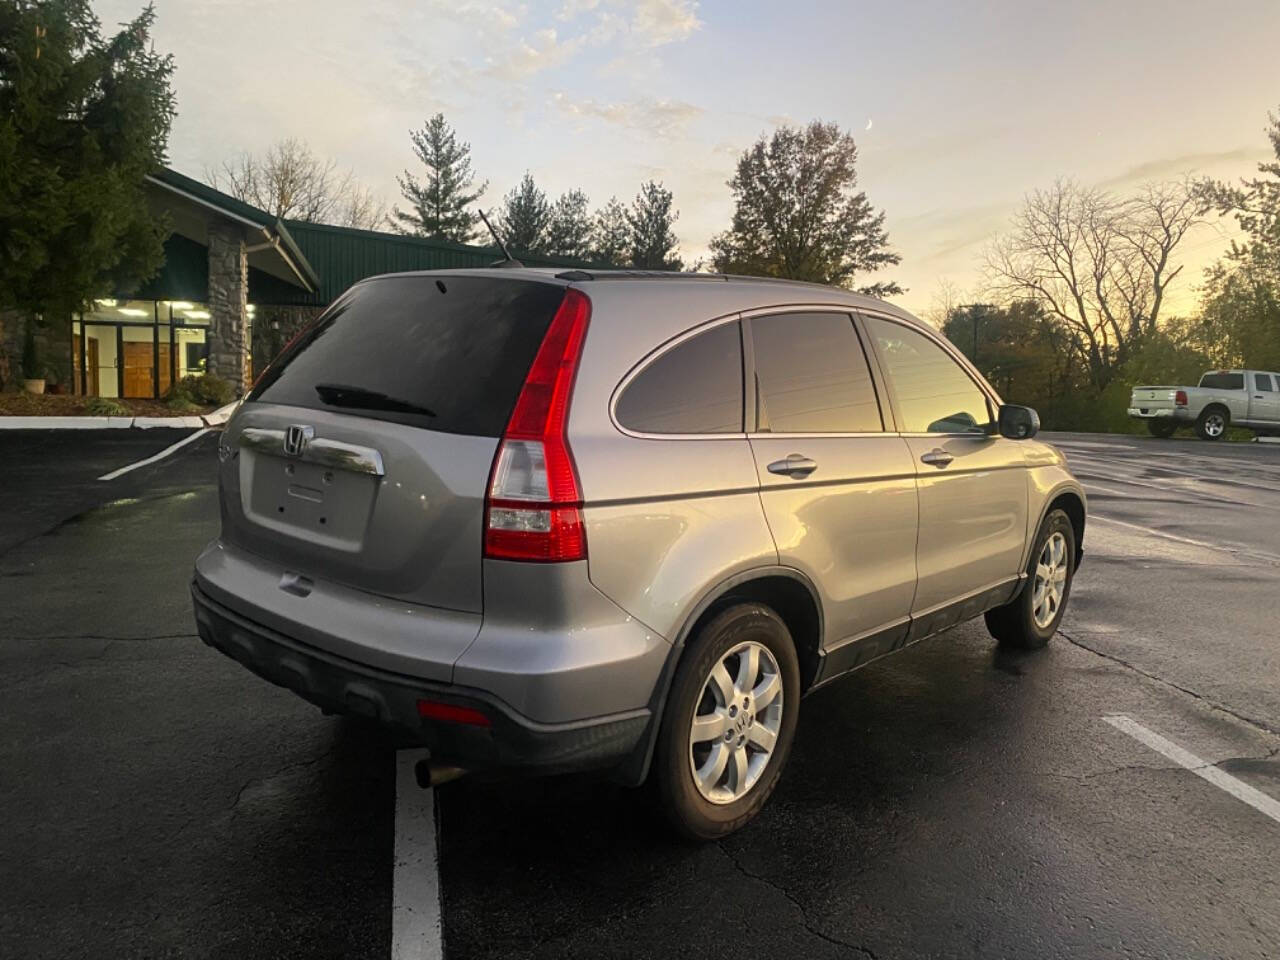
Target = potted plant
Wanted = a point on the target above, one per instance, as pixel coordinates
(32, 371)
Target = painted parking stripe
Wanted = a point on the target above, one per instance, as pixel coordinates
(167, 451)
(415, 890)
(1201, 768)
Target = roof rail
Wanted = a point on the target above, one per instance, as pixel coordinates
(584, 275)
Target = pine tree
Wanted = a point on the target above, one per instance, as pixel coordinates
(525, 218)
(569, 231)
(611, 234)
(83, 120)
(650, 219)
(439, 204)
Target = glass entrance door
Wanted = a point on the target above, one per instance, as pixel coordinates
(101, 379)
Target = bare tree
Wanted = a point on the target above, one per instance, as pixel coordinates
(1099, 264)
(291, 182)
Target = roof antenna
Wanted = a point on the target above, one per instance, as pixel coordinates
(508, 260)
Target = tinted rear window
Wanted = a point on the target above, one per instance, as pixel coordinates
(812, 375)
(1223, 381)
(695, 387)
(447, 353)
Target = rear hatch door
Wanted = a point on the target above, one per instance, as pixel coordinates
(363, 454)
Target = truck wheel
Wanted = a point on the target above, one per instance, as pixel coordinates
(1163, 429)
(1212, 423)
(1032, 617)
(729, 722)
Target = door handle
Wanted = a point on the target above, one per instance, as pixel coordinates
(795, 466)
(937, 458)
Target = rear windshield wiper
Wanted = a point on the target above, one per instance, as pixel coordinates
(358, 398)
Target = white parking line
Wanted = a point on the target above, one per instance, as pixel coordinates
(172, 448)
(415, 882)
(1201, 768)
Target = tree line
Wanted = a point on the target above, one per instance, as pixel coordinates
(1072, 313)
(797, 210)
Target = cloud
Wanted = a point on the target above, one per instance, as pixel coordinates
(532, 56)
(654, 116)
(1176, 167)
(481, 12)
(664, 21)
(650, 23)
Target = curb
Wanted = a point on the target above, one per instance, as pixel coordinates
(215, 419)
(1266, 439)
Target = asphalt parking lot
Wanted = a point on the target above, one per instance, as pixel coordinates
(157, 800)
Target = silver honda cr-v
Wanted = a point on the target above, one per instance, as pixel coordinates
(547, 522)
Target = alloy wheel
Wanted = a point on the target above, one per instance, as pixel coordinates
(1050, 581)
(736, 723)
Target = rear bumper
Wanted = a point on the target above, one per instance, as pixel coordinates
(1180, 414)
(510, 742)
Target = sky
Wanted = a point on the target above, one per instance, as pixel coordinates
(959, 110)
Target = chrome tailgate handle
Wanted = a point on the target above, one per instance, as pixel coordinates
(309, 448)
(937, 458)
(795, 466)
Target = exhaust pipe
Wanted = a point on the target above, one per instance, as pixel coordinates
(435, 774)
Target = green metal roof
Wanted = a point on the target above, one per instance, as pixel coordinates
(331, 258)
(342, 256)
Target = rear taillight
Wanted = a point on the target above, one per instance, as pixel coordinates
(1180, 398)
(533, 510)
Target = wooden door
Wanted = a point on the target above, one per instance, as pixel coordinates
(166, 360)
(139, 361)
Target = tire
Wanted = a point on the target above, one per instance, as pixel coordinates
(1213, 422)
(691, 809)
(1164, 429)
(1015, 624)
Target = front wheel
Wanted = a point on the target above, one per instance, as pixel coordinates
(1212, 423)
(1032, 617)
(1162, 428)
(729, 722)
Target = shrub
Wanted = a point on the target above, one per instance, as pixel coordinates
(179, 403)
(202, 389)
(106, 407)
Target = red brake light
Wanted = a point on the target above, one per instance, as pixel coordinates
(533, 507)
(1180, 398)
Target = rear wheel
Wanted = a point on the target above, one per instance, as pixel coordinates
(729, 722)
(1213, 423)
(1162, 428)
(1032, 617)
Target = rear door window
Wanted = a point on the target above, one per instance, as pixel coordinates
(812, 375)
(444, 353)
(1222, 381)
(695, 387)
(1262, 382)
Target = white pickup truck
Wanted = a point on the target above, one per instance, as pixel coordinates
(1246, 398)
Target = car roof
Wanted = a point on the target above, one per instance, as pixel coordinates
(665, 277)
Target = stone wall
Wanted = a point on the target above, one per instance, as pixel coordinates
(228, 300)
(52, 346)
(11, 328)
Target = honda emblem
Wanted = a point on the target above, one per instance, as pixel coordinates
(296, 438)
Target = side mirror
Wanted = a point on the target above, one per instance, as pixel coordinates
(1018, 423)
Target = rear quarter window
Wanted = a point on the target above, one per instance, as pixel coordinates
(444, 353)
(695, 387)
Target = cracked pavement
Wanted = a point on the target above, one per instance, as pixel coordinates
(952, 801)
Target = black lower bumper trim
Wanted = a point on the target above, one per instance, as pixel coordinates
(511, 741)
